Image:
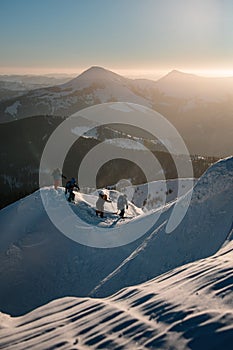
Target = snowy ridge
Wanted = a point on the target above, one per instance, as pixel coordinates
(216, 179)
(94, 74)
(186, 308)
(85, 209)
(203, 230)
(39, 264)
(160, 192)
(95, 85)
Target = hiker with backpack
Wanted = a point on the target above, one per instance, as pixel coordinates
(70, 186)
(100, 204)
(122, 204)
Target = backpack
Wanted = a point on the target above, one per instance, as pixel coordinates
(69, 186)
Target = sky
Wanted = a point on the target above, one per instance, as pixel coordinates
(131, 37)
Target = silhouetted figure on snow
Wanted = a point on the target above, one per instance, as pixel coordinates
(70, 186)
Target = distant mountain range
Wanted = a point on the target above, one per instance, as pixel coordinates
(200, 108)
(12, 86)
(94, 86)
(23, 141)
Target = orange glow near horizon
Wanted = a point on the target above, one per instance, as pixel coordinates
(150, 73)
(134, 73)
(38, 71)
(211, 72)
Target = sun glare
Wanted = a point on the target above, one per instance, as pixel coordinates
(155, 74)
(140, 73)
(214, 73)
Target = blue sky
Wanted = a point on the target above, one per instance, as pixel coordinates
(124, 35)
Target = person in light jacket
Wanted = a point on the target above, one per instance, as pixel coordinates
(57, 177)
(100, 204)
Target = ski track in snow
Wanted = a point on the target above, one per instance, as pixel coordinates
(189, 307)
(186, 308)
(130, 257)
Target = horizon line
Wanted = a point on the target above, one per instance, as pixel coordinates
(133, 73)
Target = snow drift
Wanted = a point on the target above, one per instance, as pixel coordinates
(39, 264)
(186, 308)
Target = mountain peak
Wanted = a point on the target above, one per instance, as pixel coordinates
(96, 68)
(175, 71)
(95, 74)
(176, 75)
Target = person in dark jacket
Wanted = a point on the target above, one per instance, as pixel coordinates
(70, 186)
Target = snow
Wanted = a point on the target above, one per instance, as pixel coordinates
(89, 88)
(156, 193)
(162, 291)
(85, 206)
(186, 308)
(81, 130)
(103, 85)
(126, 144)
(13, 109)
(80, 226)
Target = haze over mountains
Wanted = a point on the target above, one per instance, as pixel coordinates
(16, 85)
(200, 108)
(189, 303)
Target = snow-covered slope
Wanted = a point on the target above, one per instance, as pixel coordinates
(99, 85)
(38, 263)
(191, 86)
(160, 192)
(206, 225)
(187, 308)
(95, 85)
(95, 75)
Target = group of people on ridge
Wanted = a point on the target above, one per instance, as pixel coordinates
(71, 185)
(122, 204)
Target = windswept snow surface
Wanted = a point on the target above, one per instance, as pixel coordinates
(156, 193)
(85, 209)
(189, 307)
(38, 263)
(203, 230)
